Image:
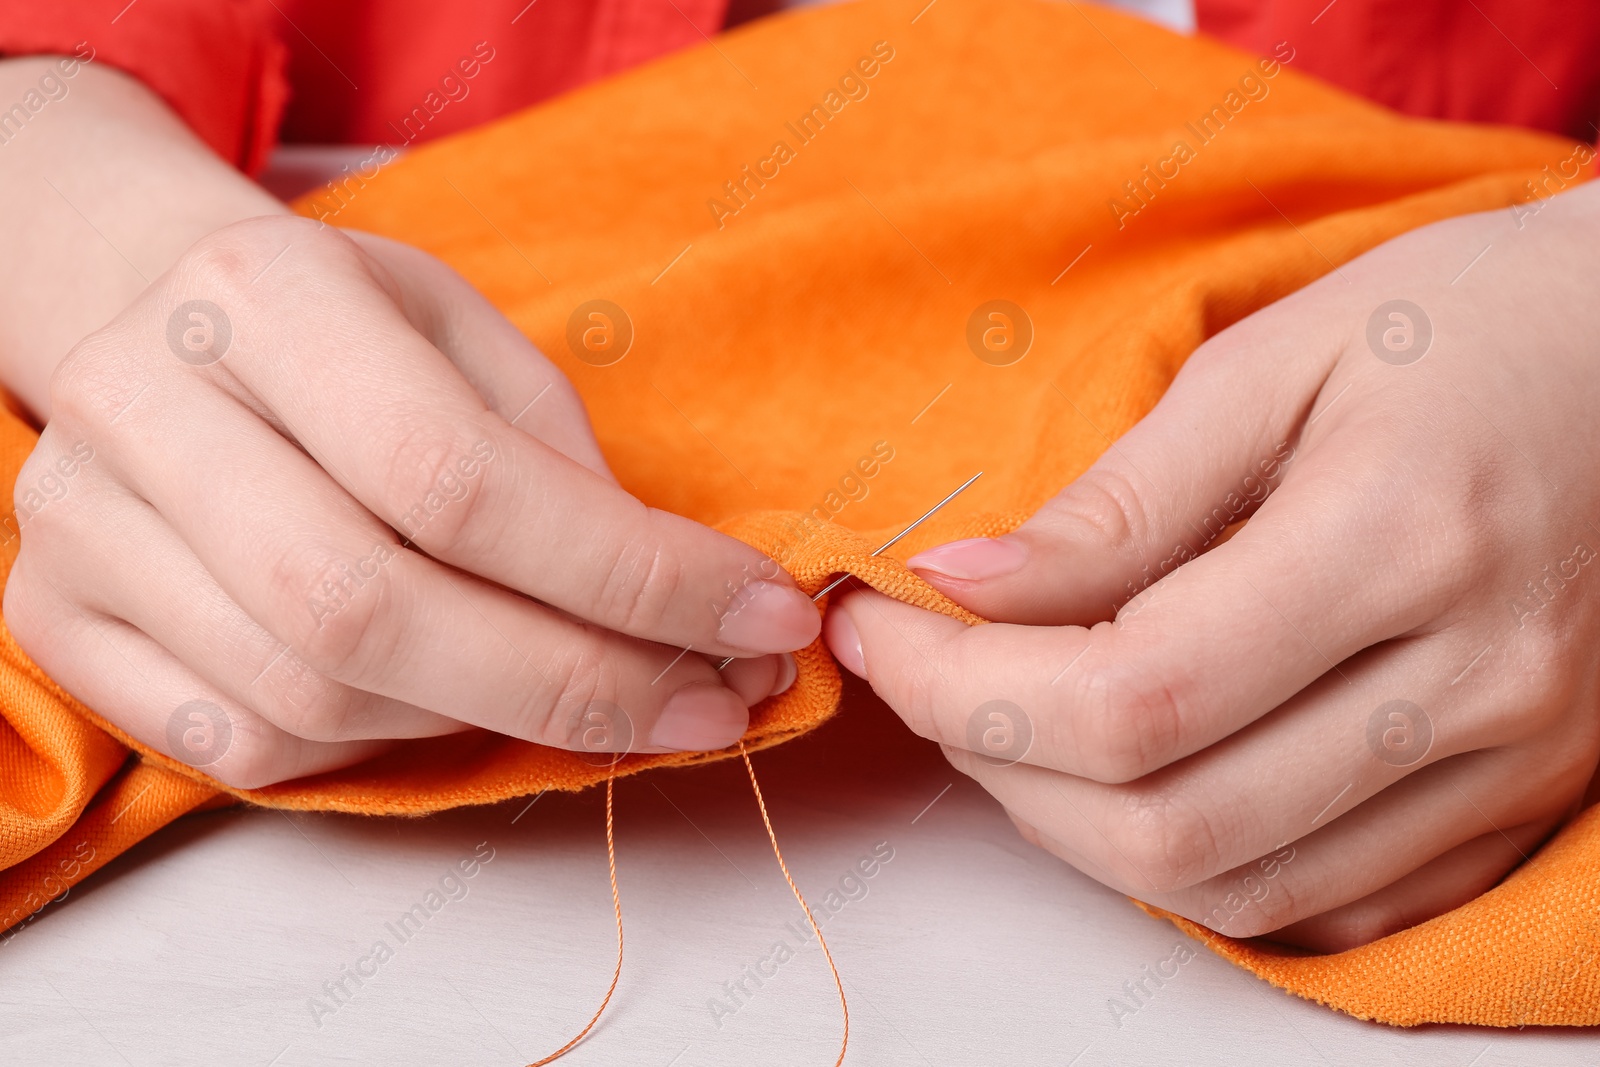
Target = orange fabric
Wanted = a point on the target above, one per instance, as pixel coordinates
(779, 337)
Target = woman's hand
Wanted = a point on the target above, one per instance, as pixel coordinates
(1376, 697)
(309, 492)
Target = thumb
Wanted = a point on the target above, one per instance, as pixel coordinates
(1220, 440)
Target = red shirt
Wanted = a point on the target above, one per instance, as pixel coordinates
(1520, 62)
(245, 73)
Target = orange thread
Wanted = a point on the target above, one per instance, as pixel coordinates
(776, 851)
(616, 903)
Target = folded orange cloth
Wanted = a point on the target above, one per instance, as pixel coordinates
(801, 228)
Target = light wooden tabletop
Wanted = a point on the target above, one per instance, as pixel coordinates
(233, 938)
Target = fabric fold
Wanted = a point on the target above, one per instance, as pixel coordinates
(807, 230)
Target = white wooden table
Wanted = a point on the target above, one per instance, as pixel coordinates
(216, 942)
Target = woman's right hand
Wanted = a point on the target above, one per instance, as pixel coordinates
(313, 483)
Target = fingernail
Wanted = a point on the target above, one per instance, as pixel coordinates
(973, 560)
(768, 617)
(845, 643)
(788, 671)
(700, 717)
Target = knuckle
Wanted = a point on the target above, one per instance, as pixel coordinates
(1344, 928)
(25, 615)
(33, 518)
(253, 761)
(640, 586)
(432, 498)
(1103, 504)
(1459, 559)
(1543, 653)
(1450, 547)
(583, 675)
(43, 498)
(309, 705)
(1249, 921)
(1123, 724)
(95, 381)
(914, 694)
(1543, 679)
(335, 614)
(1244, 903)
(1369, 922)
(1543, 705)
(1170, 839)
(222, 262)
(341, 644)
(226, 263)
(21, 500)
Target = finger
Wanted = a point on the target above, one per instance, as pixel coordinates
(402, 431)
(515, 379)
(133, 682)
(1213, 448)
(1440, 885)
(325, 578)
(1331, 748)
(761, 677)
(1325, 569)
(946, 679)
(171, 598)
(1025, 829)
(1378, 843)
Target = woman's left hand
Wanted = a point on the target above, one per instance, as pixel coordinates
(1379, 695)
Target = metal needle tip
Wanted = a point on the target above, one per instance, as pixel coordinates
(881, 549)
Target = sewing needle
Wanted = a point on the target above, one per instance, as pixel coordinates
(881, 549)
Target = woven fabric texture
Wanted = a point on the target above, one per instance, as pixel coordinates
(798, 226)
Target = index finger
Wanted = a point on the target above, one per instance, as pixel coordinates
(399, 427)
(1314, 578)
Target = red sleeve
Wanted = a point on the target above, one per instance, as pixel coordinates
(1521, 62)
(217, 63)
